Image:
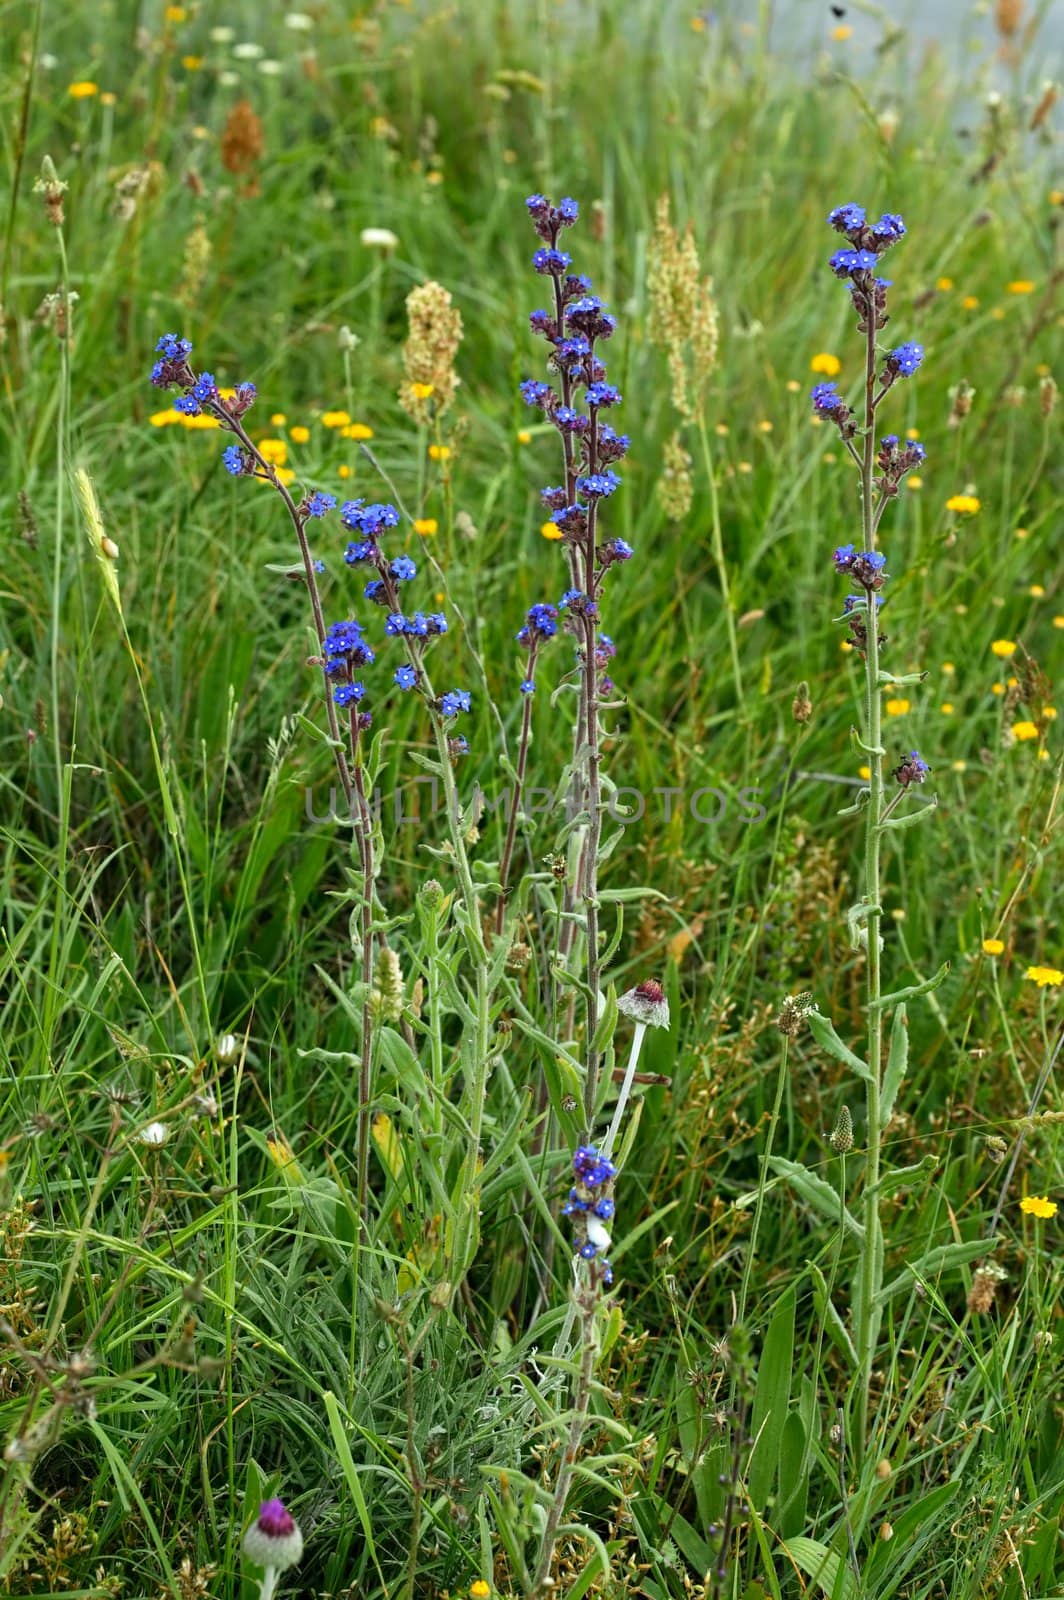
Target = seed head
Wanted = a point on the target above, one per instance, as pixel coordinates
(841, 1138)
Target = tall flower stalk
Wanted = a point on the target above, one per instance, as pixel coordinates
(574, 326)
(881, 468)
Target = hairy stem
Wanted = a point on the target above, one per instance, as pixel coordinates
(577, 1424)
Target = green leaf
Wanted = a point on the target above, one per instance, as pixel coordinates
(897, 1064)
(909, 819)
(816, 1192)
(933, 1263)
(827, 1313)
(771, 1402)
(823, 1566)
(901, 680)
(908, 994)
(895, 1178)
(823, 1032)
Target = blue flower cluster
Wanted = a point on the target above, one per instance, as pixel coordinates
(591, 1205)
(830, 405)
(894, 459)
(575, 327)
(541, 623)
(912, 769)
(864, 565)
(856, 264)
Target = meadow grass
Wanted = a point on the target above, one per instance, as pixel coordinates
(192, 1326)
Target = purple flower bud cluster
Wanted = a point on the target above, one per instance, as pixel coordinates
(830, 405)
(894, 460)
(912, 769)
(856, 265)
(575, 327)
(591, 1205)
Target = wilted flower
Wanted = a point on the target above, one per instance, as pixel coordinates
(274, 1540)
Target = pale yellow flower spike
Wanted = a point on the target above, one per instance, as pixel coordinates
(103, 547)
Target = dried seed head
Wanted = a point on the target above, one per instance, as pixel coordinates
(1047, 395)
(675, 486)
(242, 140)
(1008, 14)
(986, 1281)
(961, 396)
(793, 1013)
(429, 352)
(996, 1148)
(683, 311)
(389, 993)
(802, 705)
(841, 1138)
(883, 1470)
(51, 188)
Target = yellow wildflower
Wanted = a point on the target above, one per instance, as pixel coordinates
(793, 386)
(970, 302)
(83, 90)
(1038, 1205)
(947, 708)
(948, 667)
(422, 391)
(912, 433)
(344, 471)
(201, 423)
(1036, 591)
(1021, 286)
(997, 688)
(108, 99)
(164, 419)
(898, 708)
(479, 1590)
(299, 434)
(334, 419)
(914, 481)
(192, 63)
(1004, 647)
(842, 32)
(828, 364)
(993, 947)
(1024, 731)
(426, 525)
(175, 13)
(356, 430)
(1045, 977)
(1058, 622)
(274, 450)
(764, 426)
(551, 530)
(278, 419)
(523, 436)
(439, 452)
(865, 773)
(963, 502)
(285, 475)
(944, 284)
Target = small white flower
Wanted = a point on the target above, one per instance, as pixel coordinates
(298, 21)
(271, 68)
(646, 1003)
(222, 35)
(378, 239)
(154, 1135)
(228, 79)
(275, 1539)
(596, 1234)
(248, 50)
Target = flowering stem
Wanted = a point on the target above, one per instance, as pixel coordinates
(871, 1264)
(606, 1147)
(577, 1424)
(751, 1248)
(718, 557)
(511, 822)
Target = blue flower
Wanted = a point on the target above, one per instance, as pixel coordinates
(604, 1208)
(568, 211)
(542, 322)
(528, 686)
(319, 504)
(453, 701)
(344, 646)
(615, 550)
(350, 512)
(244, 398)
(592, 1170)
(534, 393)
(319, 565)
(537, 204)
(853, 600)
(603, 394)
(844, 263)
(554, 499)
(376, 592)
(571, 519)
(541, 622)
(457, 745)
(205, 388)
(913, 769)
(888, 229)
(569, 353)
(847, 218)
(173, 348)
(612, 446)
(368, 520)
(589, 316)
(236, 461)
(396, 623)
(570, 597)
(904, 360)
(348, 694)
(188, 405)
(362, 550)
(552, 262)
(825, 400)
(598, 485)
(566, 420)
(437, 622)
(403, 569)
(405, 677)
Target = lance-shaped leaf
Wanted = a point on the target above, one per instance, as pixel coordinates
(909, 819)
(817, 1193)
(823, 1032)
(897, 1064)
(898, 995)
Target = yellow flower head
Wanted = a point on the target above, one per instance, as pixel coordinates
(1045, 977)
(1021, 286)
(344, 471)
(828, 364)
(944, 285)
(993, 947)
(970, 302)
(439, 452)
(551, 530)
(479, 1590)
(968, 503)
(842, 32)
(1004, 647)
(278, 419)
(524, 436)
(192, 63)
(947, 708)
(200, 423)
(164, 419)
(865, 773)
(426, 525)
(422, 391)
(175, 13)
(914, 481)
(285, 475)
(1038, 1205)
(1024, 730)
(355, 430)
(898, 708)
(299, 434)
(274, 450)
(334, 419)
(83, 90)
